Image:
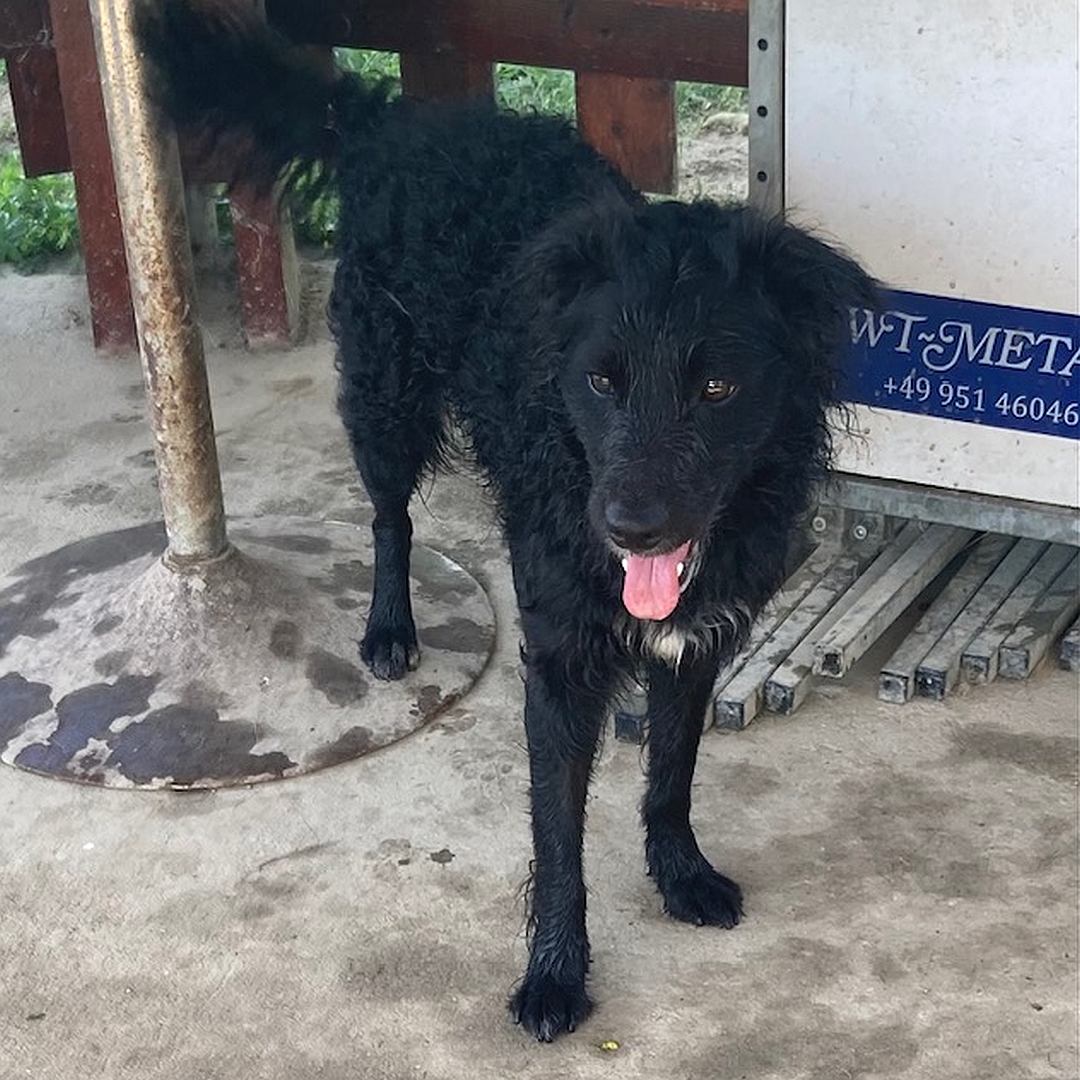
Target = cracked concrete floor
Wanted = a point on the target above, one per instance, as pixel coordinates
(910, 873)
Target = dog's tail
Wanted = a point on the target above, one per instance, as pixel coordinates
(265, 109)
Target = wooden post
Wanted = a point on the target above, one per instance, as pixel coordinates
(99, 218)
(267, 266)
(445, 75)
(34, 80)
(631, 122)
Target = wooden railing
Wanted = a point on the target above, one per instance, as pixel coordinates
(626, 55)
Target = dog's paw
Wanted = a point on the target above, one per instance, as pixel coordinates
(390, 652)
(547, 1008)
(704, 898)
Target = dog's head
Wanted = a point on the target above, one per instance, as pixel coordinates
(695, 348)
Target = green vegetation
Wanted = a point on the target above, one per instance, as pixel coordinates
(38, 218)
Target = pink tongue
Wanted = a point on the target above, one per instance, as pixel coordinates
(651, 588)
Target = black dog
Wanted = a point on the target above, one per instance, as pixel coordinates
(645, 385)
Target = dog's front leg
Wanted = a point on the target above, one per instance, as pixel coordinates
(389, 645)
(692, 890)
(562, 722)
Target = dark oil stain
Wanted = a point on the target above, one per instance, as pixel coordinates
(820, 960)
(190, 745)
(259, 900)
(33, 456)
(20, 701)
(298, 542)
(454, 723)
(356, 742)
(1052, 756)
(746, 780)
(105, 625)
(341, 682)
(458, 635)
(265, 894)
(886, 968)
(288, 387)
(965, 878)
(112, 664)
(338, 477)
(200, 695)
(307, 852)
(86, 714)
(443, 856)
(255, 908)
(144, 459)
(346, 603)
(351, 576)
(429, 701)
(824, 1045)
(404, 963)
(285, 639)
(24, 618)
(46, 582)
(90, 764)
(93, 494)
(891, 831)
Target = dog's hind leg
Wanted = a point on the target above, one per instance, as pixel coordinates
(391, 405)
(692, 890)
(562, 721)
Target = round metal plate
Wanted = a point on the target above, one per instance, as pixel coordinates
(119, 671)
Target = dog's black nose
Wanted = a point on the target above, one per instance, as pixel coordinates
(637, 526)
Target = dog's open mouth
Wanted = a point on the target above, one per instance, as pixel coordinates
(653, 583)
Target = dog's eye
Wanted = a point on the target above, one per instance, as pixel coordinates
(718, 390)
(601, 384)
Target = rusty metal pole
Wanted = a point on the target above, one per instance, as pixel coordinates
(151, 198)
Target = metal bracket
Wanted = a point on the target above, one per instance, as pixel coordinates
(766, 128)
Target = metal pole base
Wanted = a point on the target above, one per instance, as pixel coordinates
(119, 670)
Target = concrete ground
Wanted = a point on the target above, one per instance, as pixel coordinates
(910, 872)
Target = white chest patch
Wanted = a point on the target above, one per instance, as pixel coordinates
(669, 644)
(665, 643)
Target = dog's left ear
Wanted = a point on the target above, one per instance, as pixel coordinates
(809, 286)
(557, 271)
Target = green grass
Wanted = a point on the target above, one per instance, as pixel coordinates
(38, 216)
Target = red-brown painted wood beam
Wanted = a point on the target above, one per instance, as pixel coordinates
(704, 40)
(34, 82)
(632, 123)
(111, 313)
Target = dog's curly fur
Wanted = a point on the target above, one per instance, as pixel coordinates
(635, 378)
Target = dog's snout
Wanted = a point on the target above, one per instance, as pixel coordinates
(638, 526)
